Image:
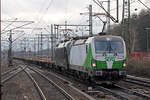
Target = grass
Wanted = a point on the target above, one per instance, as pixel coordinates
(139, 67)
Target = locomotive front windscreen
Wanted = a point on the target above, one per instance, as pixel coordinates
(109, 46)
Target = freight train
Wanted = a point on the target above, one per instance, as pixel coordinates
(100, 58)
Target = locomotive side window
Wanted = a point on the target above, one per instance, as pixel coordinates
(79, 42)
(86, 48)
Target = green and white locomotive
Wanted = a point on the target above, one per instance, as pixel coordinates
(101, 58)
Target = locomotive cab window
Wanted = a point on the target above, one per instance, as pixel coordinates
(109, 46)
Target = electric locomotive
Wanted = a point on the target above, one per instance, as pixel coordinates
(100, 58)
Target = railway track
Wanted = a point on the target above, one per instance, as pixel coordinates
(112, 92)
(126, 92)
(143, 96)
(67, 85)
(11, 73)
(123, 93)
(6, 72)
(119, 92)
(137, 86)
(47, 88)
(137, 80)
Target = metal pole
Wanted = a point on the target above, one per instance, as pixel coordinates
(57, 32)
(123, 20)
(38, 46)
(48, 47)
(129, 33)
(28, 52)
(21, 48)
(126, 24)
(55, 29)
(34, 47)
(41, 43)
(51, 41)
(0, 49)
(108, 18)
(25, 47)
(10, 50)
(117, 3)
(147, 39)
(65, 27)
(147, 42)
(90, 21)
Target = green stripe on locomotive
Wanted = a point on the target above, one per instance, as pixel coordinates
(101, 64)
(89, 58)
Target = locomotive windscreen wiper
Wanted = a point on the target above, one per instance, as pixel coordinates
(104, 53)
(109, 47)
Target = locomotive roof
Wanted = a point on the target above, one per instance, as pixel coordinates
(110, 36)
(86, 40)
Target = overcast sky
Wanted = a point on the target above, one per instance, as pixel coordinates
(56, 11)
(46, 12)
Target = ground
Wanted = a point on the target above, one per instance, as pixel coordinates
(19, 87)
(139, 67)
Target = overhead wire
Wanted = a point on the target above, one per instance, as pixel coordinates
(42, 15)
(144, 4)
(76, 11)
(115, 7)
(108, 14)
(122, 5)
(8, 24)
(66, 9)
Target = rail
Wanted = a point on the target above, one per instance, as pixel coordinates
(12, 74)
(36, 85)
(68, 96)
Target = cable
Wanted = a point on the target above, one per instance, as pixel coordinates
(121, 5)
(9, 24)
(144, 4)
(41, 17)
(18, 27)
(66, 9)
(108, 14)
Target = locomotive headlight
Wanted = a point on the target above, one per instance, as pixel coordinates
(93, 63)
(108, 39)
(124, 64)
